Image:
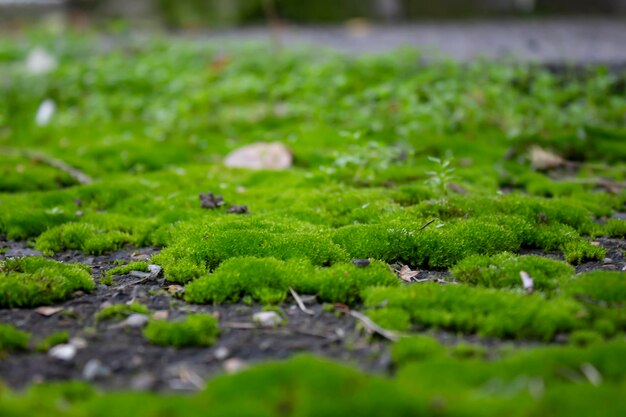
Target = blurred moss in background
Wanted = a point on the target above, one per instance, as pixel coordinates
(220, 13)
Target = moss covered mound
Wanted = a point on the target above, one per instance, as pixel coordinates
(34, 281)
(195, 330)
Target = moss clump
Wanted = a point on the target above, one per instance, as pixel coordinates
(415, 348)
(438, 246)
(52, 340)
(203, 247)
(489, 312)
(82, 236)
(120, 311)
(12, 339)
(578, 252)
(125, 269)
(502, 271)
(34, 281)
(267, 280)
(468, 350)
(606, 287)
(195, 330)
(584, 338)
(615, 228)
(391, 318)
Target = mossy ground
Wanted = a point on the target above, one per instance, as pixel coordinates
(395, 163)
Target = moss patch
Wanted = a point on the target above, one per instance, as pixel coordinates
(195, 330)
(488, 312)
(267, 280)
(12, 339)
(120, 311)
(502, 271)
(34, 281)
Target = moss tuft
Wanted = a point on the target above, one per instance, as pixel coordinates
(489, 312)
(52, 340)
(267, 280)
(125, 269)
(195, 330)
(581, 251)
(12, 339)
(34, 281)
(502, 271)
(120, 311)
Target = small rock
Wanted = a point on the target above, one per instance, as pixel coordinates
(161, 315)
(260, 155)
(78, 342)
(361, 263)
(64, 352)
(235, 209)
(40, 61)
(267, 318)
(221, 353)
(134, 320)
(140, 274)
(94, 369)
(211, 201)
(234, 365)
(23, 252)
(143, 381)
(608, 261)
(155, 270)
(619, 216)
(45, 111)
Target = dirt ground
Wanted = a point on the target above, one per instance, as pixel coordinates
(122, 358)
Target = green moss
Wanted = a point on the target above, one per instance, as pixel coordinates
(485, 311)
(503, 271)
(468, 350)
(131, 266)
(579, 252)
(415, 348)
(391, 318)
(267, 280)
(120, 311)
(83, 236)
(12, 339)
(54, 339)
(606, 287)
(585, 338)
(195, 330)
(34, 281)
(199, 248)
(615, 228)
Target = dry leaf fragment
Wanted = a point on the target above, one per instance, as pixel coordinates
(527, 281)
(161, 315)
(48, 311)
(261, 155)
(175, 289)
(406, 274)
(543, 160)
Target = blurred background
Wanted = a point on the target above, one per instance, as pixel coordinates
(188, 14)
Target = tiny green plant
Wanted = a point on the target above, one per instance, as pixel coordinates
(442, 175)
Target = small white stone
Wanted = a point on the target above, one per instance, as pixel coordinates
(154, 270)
(40, 61)
(45, 112)
(63, 352)
(95, 369)
(221, 353)
(234, 365)
(135, 320)
(78, 342)
(267, 318)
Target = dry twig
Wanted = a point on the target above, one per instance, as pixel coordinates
(299, 302)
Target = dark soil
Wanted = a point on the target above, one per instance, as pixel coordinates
(131, 362)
